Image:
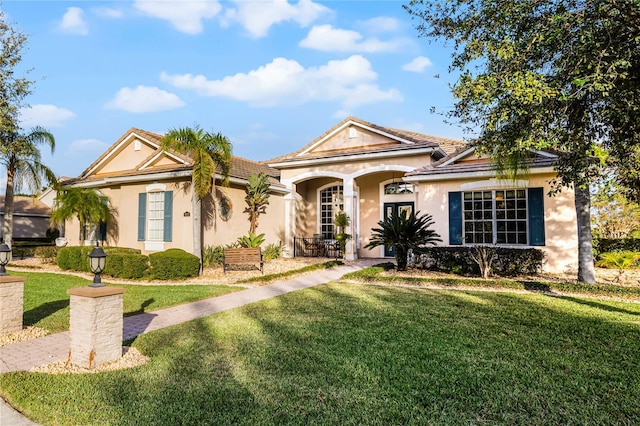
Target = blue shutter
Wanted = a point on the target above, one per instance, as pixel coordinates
(536, 217)
(168, 215)
(455, 218)
(142, 215)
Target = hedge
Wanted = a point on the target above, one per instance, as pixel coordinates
(174, 264)
(604, 245)
(509, 262)
(74, 258)
(126, 265)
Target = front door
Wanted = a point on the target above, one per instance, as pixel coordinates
(389, 208)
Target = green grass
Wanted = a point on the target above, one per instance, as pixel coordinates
(373, 275)
(46, 303)
(359, 354)
(272, 277)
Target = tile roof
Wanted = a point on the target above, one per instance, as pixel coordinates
(26, 206)
(418, 141)
(241, 168)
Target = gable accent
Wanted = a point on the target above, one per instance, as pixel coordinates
(151, 160)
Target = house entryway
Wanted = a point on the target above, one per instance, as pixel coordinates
(399, 207)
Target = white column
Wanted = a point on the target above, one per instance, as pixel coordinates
(289, 221)
(350, 204)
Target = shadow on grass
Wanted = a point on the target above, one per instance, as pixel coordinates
(598, 305)
(35, 315)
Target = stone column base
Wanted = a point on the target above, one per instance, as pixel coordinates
(95, 325)
(11, 303)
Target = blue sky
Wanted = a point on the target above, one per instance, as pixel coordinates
(270, 75)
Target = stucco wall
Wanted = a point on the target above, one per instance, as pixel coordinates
(561, 246)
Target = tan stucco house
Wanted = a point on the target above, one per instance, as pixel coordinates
(361, 168)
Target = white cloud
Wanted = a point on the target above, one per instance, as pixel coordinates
(328, 39)
(257, 17)
(185, 16)
(73, 22)
(86, 148)
(418, 64)
(285, 82)
(109, 12)
(381, 24)
(144, 99)
(341, 114)
(44, 115)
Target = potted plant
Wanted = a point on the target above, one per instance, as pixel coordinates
(342, 221)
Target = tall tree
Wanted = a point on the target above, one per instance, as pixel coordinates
(21, 157)
(257, 198)
(211, 155)
(545, 74)
(87, 204)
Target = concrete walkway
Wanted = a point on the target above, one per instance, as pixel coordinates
(55, 347)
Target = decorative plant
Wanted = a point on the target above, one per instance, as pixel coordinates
(620, 260)
(251, 241)
(342, 221)
(404, 233)
(257, 198)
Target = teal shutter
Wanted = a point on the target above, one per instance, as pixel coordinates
(142, 215)
(455, 218)
(536, 217)
(168, 215)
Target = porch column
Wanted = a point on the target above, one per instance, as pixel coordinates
(289, 221)
(350, 204)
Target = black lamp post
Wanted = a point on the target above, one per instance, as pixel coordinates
(97, 262)
(5, 257)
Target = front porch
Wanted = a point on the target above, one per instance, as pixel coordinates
(316, 246)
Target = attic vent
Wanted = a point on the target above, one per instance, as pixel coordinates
(136, 145)
(352, 132)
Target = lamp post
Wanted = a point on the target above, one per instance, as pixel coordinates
(5, 257)
(97, 262)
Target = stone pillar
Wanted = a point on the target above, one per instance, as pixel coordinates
(11, 303)
(95, 325)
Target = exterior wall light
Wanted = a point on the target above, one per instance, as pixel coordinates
(97, 262)
(5, 257)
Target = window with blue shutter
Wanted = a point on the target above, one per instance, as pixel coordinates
(142, 215)
(455, 218)
(536, 217)
(168, 215)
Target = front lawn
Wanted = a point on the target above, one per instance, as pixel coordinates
(363, 354)
(46, 302)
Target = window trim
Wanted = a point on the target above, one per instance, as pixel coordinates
(320, 224)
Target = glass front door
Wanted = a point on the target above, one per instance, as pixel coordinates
(389, 208)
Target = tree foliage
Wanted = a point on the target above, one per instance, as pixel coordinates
(20, 155)
(615, 216)
(257, 198)
(211, 156)
(557, 75)
(404, 233)
(88, 205)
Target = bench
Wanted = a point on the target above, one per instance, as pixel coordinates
(242, 256)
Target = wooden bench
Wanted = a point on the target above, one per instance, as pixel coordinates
(242, 256)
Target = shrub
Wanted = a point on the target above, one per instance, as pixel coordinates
(20, 252)
(212, 256)
(272, 251)
(74, 258)
(47, 254)
(126, 265)
(251, 241)
(459, 260)
(605, 245)
(174, 263)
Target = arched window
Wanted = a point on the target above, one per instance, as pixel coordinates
(331, 202)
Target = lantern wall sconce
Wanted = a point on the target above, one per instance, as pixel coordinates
(5, 257)
(97, 262)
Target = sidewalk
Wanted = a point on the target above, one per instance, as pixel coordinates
(55, 347)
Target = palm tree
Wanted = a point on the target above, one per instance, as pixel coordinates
(21, 156)
(211, 154)
(87, 204)
(404, 233)
(257, 198)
